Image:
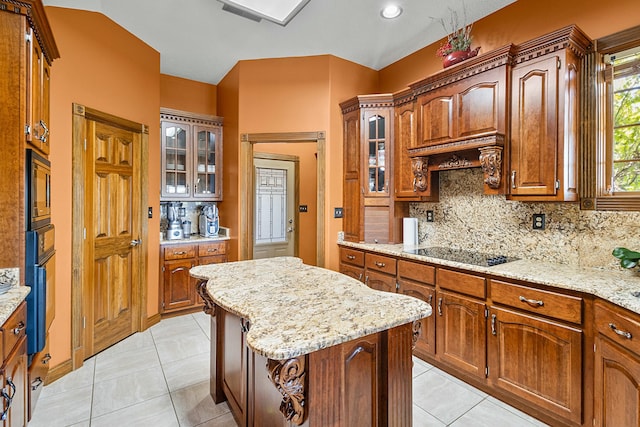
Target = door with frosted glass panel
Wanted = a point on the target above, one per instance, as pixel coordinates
(274, 216)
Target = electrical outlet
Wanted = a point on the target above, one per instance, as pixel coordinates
(150, 212)
(429, 216)
(303, 208)
(538, 221)
(338, 212)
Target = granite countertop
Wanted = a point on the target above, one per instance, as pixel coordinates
(619, 287)
(196, 238)
(295, 309)
(11, 299)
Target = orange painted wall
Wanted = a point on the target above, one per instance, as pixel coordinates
(517, 23)
(188, 95)
(104, 67)
(307, 224)
(291, 95)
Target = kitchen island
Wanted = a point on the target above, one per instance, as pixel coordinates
(293, 344)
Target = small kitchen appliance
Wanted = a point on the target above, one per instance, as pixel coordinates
(174, 231)
(208, 221)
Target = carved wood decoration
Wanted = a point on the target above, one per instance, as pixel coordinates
(419, 166)
(209, 305)
(455, 162)
(289, 377)
(491, 163)
(417, 329)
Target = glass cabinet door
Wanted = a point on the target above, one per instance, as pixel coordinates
(377, 178)
(175, 170)
(206, 162)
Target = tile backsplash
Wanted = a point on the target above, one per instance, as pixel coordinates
(466, 218)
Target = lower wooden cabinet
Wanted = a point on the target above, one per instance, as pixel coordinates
(617, 367)
(13, 372)
(352, 263)
(177, 288)
(426, 344)
(234, 365)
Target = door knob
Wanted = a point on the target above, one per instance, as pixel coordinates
(135, 243)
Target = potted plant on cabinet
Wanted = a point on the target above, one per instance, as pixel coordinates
(457, 48)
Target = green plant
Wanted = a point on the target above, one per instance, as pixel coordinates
(459, 38)
(627, 257)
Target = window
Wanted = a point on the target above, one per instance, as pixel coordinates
(611, 123)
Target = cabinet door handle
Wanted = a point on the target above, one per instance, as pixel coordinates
(493, 325)
(513, 179)
(180, 253)
(531, 302)
(19, 328)
(36, 383)
(45, 134)
(351, 257)
(429, 299)
(360, 277)
(620, 332)
(440, 306)
(212, 250)
(366, 280)
(245, 326)
(8, 398)
(379, 264)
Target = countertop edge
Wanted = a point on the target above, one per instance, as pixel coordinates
(10, 301)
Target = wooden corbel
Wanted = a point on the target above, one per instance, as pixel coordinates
(420, 173)
(209, 305)
(289, 377)
(491, 163)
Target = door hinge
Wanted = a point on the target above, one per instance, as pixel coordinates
(27, 37)
(84, 233)
(486, 372)
(559, 63)
(27, 129)
(397, 286)
(557, 184)
(163, 269)
(486, 313)
(594, 347)
(85, 144)
(84, 322)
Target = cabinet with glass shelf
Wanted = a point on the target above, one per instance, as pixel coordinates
(191, 156)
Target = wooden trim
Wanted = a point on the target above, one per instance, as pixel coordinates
(153, 320)
(59, 371)
(246, 185)
(189, 117)
(619, 41)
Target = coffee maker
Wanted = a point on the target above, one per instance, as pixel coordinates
(174, 230)
(208, 221)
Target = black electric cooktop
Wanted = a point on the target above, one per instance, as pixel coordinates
(462, 256)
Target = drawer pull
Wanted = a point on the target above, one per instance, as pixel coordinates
(493, 325)
(531, 302)
(620, 332)
(360, 277)
(180, 253)
(440, 306)
(351, 257)
(379, 264)
(366, 280)
(36, 383)
(8, 398)
(16, 331)
(212, 250)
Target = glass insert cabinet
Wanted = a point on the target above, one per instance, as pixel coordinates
(191, 156)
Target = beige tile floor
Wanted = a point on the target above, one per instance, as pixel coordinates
(159, 378)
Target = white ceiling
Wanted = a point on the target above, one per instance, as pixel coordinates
(197, 40)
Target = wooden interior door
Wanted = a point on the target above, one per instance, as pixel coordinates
(113, 232)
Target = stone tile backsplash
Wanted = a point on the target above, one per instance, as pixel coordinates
(466, 218)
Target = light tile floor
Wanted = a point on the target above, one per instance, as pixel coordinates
(160, 377)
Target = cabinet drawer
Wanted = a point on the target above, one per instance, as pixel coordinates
(215, 259)
(546, 303)
(179, 252)
(417, 272)
(381, 263)
(352, 271)
(352, 256)
(620, 326)
(214, 248)
(462, 282)
(14, 329)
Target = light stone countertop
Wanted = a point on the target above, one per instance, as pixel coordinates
(10, 300)
(295, 309)
(618, 287)
(195, 238)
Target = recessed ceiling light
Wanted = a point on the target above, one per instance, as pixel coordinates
(391, 11)
(278, 11)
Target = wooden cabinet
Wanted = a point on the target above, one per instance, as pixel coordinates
(617, 367)
(544, 117)
(537, 359)
(418, 280)
(461, 322)
(380, 272)
(369, 209)
(178, 289)
(191, 161)
(234, 370)
(352, 263)
(39, 81)
(14, 369)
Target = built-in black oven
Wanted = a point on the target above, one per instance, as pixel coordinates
(38, 197)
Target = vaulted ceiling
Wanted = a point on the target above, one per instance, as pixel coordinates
(198, 40)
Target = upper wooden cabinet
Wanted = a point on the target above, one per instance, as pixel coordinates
(544, 117)
(191, 156)
(369, 209)
(39, 79)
